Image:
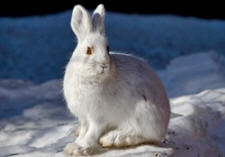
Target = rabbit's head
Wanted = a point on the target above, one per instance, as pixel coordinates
(92, 53)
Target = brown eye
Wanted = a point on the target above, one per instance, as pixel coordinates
(89, 50)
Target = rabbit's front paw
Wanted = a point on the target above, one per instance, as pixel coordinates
(77, 150)
(119, 139)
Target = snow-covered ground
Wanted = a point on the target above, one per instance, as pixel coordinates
(34, 120)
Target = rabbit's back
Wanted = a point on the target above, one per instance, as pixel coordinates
(138, 75)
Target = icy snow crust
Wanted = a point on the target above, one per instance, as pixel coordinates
(35, 122)
(38, 48)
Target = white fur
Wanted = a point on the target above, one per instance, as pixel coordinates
(117, 97)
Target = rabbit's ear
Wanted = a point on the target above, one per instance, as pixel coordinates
(81, 22)
(98, 19)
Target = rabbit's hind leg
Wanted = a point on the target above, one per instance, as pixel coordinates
(120, 138)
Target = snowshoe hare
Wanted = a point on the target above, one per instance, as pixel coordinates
(117, 97)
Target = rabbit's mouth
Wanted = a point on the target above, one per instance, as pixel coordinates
(97, 73)
(103, 68)
(97, 70)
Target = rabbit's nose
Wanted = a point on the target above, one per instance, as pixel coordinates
(103, 66)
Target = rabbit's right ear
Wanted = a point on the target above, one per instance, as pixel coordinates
(98, 18)
(81, 22)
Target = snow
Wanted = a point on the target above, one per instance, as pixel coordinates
(187, 53)
(35, 121)
(37, 48)
(192, 76)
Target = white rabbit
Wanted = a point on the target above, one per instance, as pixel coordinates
(117, 97)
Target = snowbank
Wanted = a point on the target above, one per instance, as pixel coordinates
(35, 122)
(194, 73)
(37, 48)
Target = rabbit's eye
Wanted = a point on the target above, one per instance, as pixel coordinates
(107, 48)
(89, 50)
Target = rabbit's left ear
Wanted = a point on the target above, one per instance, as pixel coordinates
(98, 19)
